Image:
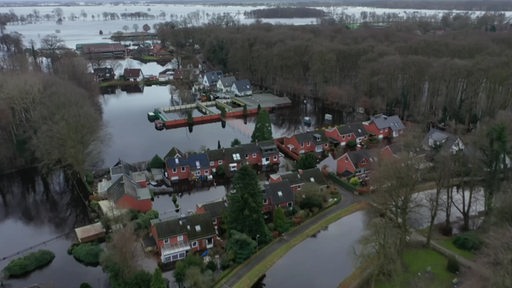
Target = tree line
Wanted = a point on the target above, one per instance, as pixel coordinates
(50, 111)
(454, 70)
(286, 12)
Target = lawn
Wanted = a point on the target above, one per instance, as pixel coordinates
(448, 244)
(417, 261)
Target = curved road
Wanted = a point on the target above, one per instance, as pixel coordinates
(346, 200)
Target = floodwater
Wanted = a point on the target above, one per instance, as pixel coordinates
(323, 260)
(33, 218)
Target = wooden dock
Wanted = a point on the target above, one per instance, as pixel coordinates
(240, 107)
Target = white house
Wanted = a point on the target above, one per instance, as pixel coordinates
(225, 83)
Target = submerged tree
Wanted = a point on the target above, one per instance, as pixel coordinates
(263, 128)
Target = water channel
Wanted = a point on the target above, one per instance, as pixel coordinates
(323, 260)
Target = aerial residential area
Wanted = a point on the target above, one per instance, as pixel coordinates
(255, 145)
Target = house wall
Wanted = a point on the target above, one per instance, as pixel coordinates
(182, 175)
(344, 164)
(343, 139)
(298, 149)
(129, 202)
(201, 244)
(371, 128)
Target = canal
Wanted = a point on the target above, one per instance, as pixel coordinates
(323, 260)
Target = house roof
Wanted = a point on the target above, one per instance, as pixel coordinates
(234, 154)
(126, 186)
(196, 226)
(227, 81)
(102, 47)
(132, 72)
(249, 148)
(216, 208)
(174, 153)
(172, 162)
(213, 76)
(445, 139)
(330, 162)
(383, 121)
(313, 175)
(356, 128)
(311, 136)
(198, 161)
(215, 155)
(268, 148)
(279, 192)
(357, 156)
(243, 85)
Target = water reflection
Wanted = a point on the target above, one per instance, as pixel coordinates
(322, 261)
(39, 213)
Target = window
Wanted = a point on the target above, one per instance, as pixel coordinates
(209, 241)
(290, 204)
(198, 173)
(220, 162)
(212, 163)
(265, 201)
(301, 144)
(180, 238)
(174, 170)
(183, 168)
(214, 221)
(194, 244)
(166, 241)
(275, 157)
(246, 156)
(343, 137)
(253, 155)
(206, 172)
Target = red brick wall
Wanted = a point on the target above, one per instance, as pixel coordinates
(129, 202)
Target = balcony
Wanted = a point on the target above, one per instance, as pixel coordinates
(174, 248)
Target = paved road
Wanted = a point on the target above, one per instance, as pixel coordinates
(347, 199)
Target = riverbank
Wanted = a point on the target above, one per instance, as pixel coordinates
(248, 273)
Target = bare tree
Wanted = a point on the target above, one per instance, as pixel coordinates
(121, 252)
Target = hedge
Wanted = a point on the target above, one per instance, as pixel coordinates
(87, 253)
(26, 264)
(342, 183)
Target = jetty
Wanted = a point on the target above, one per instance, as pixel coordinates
(215, 111)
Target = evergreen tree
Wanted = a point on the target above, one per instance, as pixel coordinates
(244, 212)
(240, 246)
(235, 142)
(263, 128)
(156, 162)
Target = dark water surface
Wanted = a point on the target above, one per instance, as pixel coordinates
(321, 261)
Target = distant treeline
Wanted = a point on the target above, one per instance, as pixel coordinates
(286, 12)
(479, 5)
(456, 69)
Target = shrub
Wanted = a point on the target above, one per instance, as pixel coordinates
(88, 253)
(468, 241)
(453, 265)
(354, 181)
(85, 285)
(26, 264)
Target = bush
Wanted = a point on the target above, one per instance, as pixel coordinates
(453, 265)
(354, 181)
(85, 285)
(26, 264)
(468, 241)
(88, 253)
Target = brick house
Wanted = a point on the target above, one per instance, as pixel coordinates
(302, 143)
(215, 209)
(278, 194)
(348, 132)
(133, 74)
(383, 126)
(176, 237)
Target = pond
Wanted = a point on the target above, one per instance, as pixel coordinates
(323, 260)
